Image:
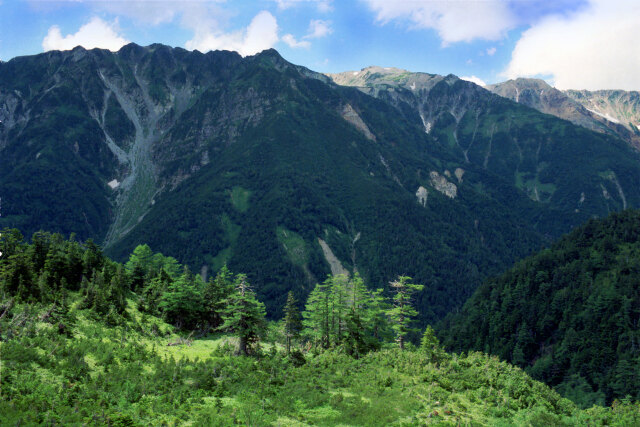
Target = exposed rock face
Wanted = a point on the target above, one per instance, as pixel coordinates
(373, 79)
(613, 112)
(487, 130)
(441, 184)
(350, 115)
(334, 262)
(422, 194)
(617, 106)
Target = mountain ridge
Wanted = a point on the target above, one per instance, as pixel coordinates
(214, 158)
(573, 105)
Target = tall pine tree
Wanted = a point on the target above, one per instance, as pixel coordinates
(243, 315)
(403, 310)
(317, 315)
(292, 321)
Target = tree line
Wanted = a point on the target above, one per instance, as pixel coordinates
(340, 313)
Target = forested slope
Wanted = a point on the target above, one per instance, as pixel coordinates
(569, 315)
(282, 174)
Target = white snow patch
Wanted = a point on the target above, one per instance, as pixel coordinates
(413, 86)
(114, 183)
(355, 73)
(606, 116)
(38, 156)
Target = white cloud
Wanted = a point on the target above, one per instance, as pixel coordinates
(325, 6)
(455, 21)
(596, 48)
(95, 33)
(322, 5)
(260, 34)
(155, 12)
(318, 29)
(491, 51)
(292, 42)
(474, 79)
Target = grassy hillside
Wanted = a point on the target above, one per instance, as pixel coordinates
(128, 375)
(569, 315)
(80, 344)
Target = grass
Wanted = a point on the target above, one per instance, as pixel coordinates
(240, 198)
(294, 245)
(127, 375)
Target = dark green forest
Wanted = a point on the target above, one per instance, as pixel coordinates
(569, 315)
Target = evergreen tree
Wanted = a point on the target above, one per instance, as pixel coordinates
(292, 321)
(375, 316)
(141, 257)
(317, 315)
(215, 293)
(11, 242)
(402, 310)
(182, 303)
(243, 315)
(339, 306)
(355, 341)
(430, 345)
(151, 294)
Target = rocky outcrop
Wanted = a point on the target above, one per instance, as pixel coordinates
(614, 112)
(422, 194)
(332, 260)
(440, 183)
(350, 115)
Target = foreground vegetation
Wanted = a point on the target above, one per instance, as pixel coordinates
(128, 375)
(87, 340)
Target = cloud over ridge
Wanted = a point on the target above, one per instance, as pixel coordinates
(595, 48)
(95, 33)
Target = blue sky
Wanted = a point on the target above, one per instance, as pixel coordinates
(582, 44)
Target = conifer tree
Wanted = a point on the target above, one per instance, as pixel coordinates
(141, 257)
(215, 292)
(151, 294)
(182, 302)
(292, 321)
(403, 310)
(317, 314)
(339, 306)
(430, 345)
(243, 315)
(375, 315)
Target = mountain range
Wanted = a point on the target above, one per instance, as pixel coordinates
(288, 174)
(615, 112)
